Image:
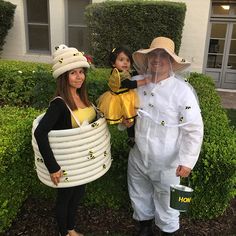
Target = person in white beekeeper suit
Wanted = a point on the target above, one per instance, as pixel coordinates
(168, 136)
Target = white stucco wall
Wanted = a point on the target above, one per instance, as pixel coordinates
(195, 32)
(57, 23)
(15, 46)
(193, 38)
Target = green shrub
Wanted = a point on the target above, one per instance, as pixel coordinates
(18, 81)
(18, 178)
(213, 178)
(7, 11)
(16, 169)
(132, 23)
(44, 88)
(97, 82)
(32, 84)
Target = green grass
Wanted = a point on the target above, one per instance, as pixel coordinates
(232, 116)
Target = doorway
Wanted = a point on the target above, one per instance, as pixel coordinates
(221, 54)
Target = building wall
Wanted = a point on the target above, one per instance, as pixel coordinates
(57, 23)
(193, 38)
(15, 46)
(195, 32)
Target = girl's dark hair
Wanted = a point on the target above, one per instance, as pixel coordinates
(116, 51)
(63, 90)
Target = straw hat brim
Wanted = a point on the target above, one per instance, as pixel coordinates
(141, 60)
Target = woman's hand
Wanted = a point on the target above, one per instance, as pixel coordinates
(55, 177)
(183, 171)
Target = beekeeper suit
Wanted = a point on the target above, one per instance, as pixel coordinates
(168, 136)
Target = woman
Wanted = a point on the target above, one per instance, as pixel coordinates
(69, 109)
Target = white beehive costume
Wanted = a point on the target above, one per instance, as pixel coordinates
(83, 153)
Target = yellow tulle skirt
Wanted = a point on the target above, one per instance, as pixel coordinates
(117, 107)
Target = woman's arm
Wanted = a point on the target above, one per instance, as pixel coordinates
(46, 124)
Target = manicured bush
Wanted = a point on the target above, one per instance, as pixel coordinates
(44, 88)
(16, 165)
(18, 82)
(31, 84)
(7, 11)
(132, 23)
(213, 178)
(18, 178)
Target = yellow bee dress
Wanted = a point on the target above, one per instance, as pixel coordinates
(118, 103)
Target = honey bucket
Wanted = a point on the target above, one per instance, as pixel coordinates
(180, 197)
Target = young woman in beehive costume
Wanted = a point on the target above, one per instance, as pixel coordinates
(59, 144)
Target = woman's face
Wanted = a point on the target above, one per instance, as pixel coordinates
(122, 62)
(159, 62)
(76, 78)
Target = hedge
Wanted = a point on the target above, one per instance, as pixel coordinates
(18, 179)
(7, 11)
(133, 24)
(16, 166)
(19, 84)
(213, 178)
(31, 84)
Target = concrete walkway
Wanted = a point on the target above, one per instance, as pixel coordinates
(228, 98)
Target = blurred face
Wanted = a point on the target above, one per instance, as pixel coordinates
(122, 62)
(76, 78)
(159, 62)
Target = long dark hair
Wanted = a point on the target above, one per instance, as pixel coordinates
(63, 90)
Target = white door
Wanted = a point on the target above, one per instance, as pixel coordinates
(221, 54)
(221, 57)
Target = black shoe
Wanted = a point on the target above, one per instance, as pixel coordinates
(145, 228)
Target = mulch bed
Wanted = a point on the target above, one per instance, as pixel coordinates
(37, 219)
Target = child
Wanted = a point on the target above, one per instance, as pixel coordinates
(120, 103)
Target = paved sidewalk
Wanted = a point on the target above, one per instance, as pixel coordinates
(228, 98)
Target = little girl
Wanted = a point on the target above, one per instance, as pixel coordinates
(120, 103)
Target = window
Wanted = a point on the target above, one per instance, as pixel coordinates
(217, 44)
(222, 35)
(232, 50)
(77, 28)
(223, 8)
(221, 54)
(37, 22)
